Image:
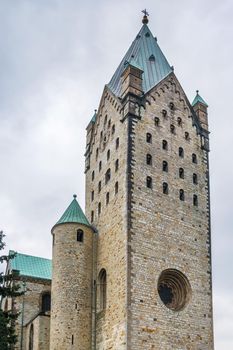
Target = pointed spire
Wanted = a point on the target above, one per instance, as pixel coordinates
(73, 214)
(198, 99)
(145, 53)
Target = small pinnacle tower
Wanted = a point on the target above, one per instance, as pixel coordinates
(72, 281)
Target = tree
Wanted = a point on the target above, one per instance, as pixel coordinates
(8, 289)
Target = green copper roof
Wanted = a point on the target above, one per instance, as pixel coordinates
(73, 213)
(93, 119)
(197, 99)
(31, 266)
(146, 54)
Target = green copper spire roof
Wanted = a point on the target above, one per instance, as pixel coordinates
(93, 119)
(74, 214)
(31, 266)
(145, 53)
(197, 99)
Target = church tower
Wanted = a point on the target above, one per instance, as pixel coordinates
(147, 194)
(71, 317)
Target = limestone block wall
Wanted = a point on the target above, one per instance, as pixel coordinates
(31, 302)
(71, 288)
(106, 207)
(41, 333)
(166, 232)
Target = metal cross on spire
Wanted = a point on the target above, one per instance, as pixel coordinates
(145, 18)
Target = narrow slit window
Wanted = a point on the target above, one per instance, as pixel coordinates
(179, 121)
(99, 208)
(186, 135)
(108, 154)
(148, 138)
(195, 179)
(102, 289)
(80, 235)
(181, 173)
(195, 200)
(171, 105)
(107, 198)
(93, 175)
(181, 152)
(107, 176)
(149, 159)
(149, 182)
(165, 166)
(92, 195)
(116, 187)
(99, 186)
(117, 143)
(105, 119)
(181, 194)
(164, 144)
(109, 123)
(97, 153)
(164, 113)
(165, 188)
(100, 165)
(92, 216)
(116, 165)
(113, 129)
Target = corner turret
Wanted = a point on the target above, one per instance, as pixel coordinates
(200, 108)
(72, 280)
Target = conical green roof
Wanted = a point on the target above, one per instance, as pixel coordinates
(74, 214)
(146, 54)
(199, 99)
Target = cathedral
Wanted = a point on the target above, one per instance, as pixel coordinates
(134, 271)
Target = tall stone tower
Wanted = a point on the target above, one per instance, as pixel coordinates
(72, 281)
(147, 193)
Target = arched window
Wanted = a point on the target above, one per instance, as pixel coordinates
(172, 128)
(31, 337)
(194, 158)
(164, 113)
(171, 105)
(195, 179)
(148, 138)
(102, 279)
(164, 144)
(181, 152)
(149, 159)
(195, 200)
(107, 176)
(186, 135)
(165, 166)
(181, 195)
(108, 154)
(149, 182)
(181, 173)
(117, 165)
(80, 235)
(116, 187)
(46, 302)
(179, 121)
(117, 143)
(156, 121)
(165, 188)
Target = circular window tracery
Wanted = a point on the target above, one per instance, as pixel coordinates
(174, 289)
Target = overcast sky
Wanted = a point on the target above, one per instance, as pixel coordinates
(55, 57)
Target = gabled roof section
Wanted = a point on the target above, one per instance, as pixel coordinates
(31, 266)
(73, 214)
(145, 53)
(199, 99)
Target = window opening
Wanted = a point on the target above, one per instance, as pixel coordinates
(194, 158)
(165, 166)
(113, 129)
(149, 182)
(108, 154)
(165, 188)
(107, 198)
(117, 143)
(148, 138)
(179, 121)
(116, 187)
(99, 186)
(100, 165)
(107, 176)
(99, 208)
(172, 128)
(181, 173)
(102, 289)
(156, 121)
(93, 175)
(186, 134)
(149, 159)
(181, 152)
(195, 200)
(181, 195)
(116, 165)
(164, 144)
(195, 179)
(80, 235)
(46, 302)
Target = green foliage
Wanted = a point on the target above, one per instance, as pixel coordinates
(10, 290)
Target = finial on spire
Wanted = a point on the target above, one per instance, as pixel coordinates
(75, 196)
(197, 91)
(95, 110)
(145, 17)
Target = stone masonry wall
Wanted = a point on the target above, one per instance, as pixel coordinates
(111, 223)
(167, 233)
